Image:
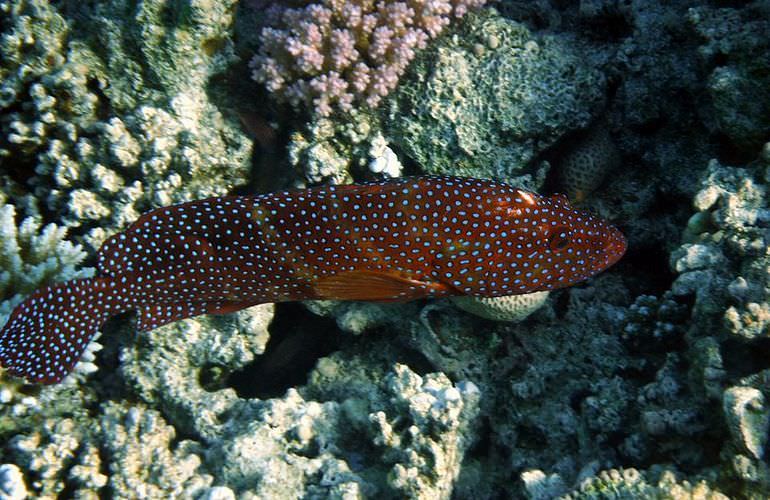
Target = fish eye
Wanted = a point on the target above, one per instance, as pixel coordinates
(559, 239)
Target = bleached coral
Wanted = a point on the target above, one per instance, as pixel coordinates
(430, 448)
(748, 416)
(52, 454)
(329, 150)
(384, 160)
(12, 485)
(146, 461)
(334, 54)
(167, 367)
(411, 433)
(32, 256)
(725, 267)
(274, 448)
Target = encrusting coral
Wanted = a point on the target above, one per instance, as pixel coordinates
(168, 374)
(339, 54)
(734, 46)
(486, 99)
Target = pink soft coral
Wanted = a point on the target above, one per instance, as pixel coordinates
(338, 53)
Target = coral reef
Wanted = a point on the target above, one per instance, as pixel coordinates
(338, 54)
(98, 124)
(725, 266)
(724, 270)
(167, 367)
(146, 459)
(327, 150)
(12, 484)
(734, 47)
(486, 100)
(30, 257)
(411, 434)
(651, 380)
(631, 483)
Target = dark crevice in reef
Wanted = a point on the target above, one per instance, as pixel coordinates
(118, 333)
(298, 338)
(648, 261)
(741, 359)
(728, 153)
(417, 361)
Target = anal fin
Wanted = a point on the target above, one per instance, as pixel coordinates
(155, 315)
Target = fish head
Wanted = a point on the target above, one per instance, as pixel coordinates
(553, 245)
(575, 245)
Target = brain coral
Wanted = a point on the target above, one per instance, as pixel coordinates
(339, 53)
(586, 165)
(506, 308)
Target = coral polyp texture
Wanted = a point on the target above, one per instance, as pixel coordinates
(487, 99)
(340, 54)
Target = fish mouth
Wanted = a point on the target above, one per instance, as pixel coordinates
(616, 246)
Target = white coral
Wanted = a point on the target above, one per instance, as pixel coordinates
(31, 255)
(12, 485)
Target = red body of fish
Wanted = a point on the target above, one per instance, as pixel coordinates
(400, 239)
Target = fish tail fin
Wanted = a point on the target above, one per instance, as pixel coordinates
(47, 333)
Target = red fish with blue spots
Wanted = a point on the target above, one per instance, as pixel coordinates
(393, 240)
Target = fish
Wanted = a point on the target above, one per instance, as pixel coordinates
(393, 240)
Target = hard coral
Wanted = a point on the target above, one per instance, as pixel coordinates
(104, 127)
(587, 164)
(336, 53)
(488, 101)
(506, 308)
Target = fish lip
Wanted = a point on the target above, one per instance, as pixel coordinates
(617, 245)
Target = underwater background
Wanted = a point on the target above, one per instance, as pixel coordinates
(650, 380)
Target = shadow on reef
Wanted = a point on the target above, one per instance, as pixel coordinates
(298, 338)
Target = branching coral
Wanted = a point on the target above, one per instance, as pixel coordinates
(104, 126)
(30, 257)
(334, 54)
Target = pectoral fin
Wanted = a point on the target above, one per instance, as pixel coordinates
(375, 285)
